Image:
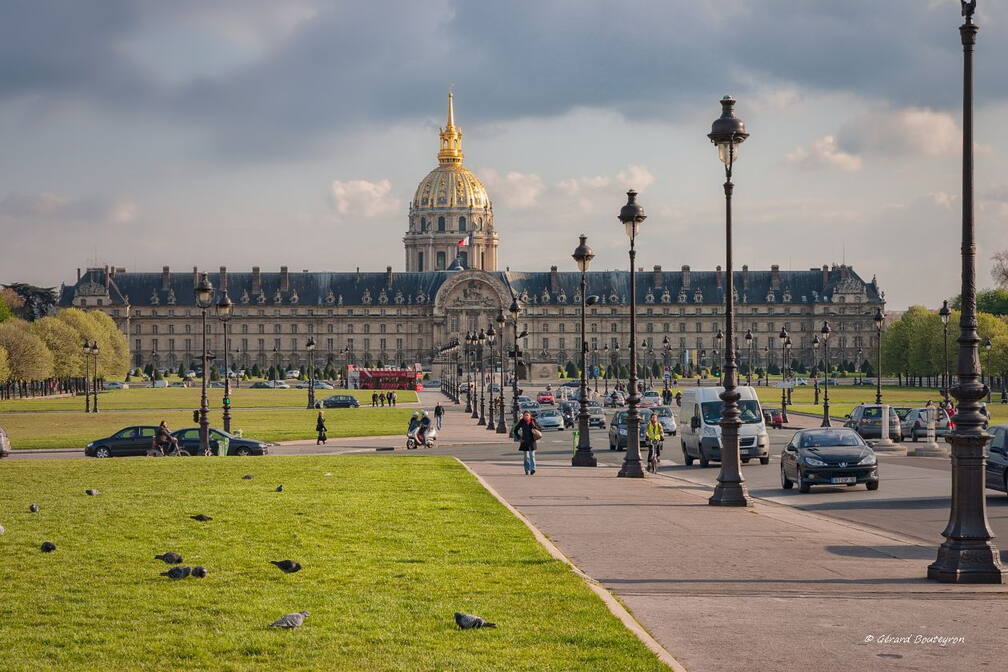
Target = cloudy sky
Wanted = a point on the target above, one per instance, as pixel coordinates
(141, 133)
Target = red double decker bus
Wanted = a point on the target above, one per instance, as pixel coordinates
(384, 379)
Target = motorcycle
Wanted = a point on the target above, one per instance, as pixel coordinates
(430, 438)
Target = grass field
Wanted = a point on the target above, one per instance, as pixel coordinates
(189, 398)
(76, 429)
(391, 547)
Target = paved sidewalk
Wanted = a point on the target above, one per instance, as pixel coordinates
(768, 588)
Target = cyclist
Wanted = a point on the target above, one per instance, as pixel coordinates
(163, 439)
(654, 434)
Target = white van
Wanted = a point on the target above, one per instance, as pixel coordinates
(700, 431)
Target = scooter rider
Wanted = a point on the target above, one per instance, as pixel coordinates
(414, 422)
(425, 422)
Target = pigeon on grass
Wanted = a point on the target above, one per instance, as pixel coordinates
(34, 508)
(279, 488)
(169, 558)
(290, 621)
(200, 572)
(176, 573)
(470, 621)
(247, 477)
(287, 566)
(91, 492)
(201, 517)
(48, 547)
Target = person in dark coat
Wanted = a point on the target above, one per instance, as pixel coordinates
(523, 433)
(374, 399)
(438, 415)
(321, 429)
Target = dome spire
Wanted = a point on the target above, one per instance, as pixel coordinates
(451, 138)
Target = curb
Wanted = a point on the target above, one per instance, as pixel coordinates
(616, 608)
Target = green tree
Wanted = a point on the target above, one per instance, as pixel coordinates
(113, 357)
(5, 371)
(993, 301)
(62, 341)
(571, 370)
(27, 355)
(5, 310)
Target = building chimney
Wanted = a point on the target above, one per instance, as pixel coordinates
(659, 277)
(195, 276)
(844, 271)
(78, 275)
(717, 274)
(284, 279)
(222, 279)
(256, 280)
(165, 278)
(775, 277)
(554, 280)
(825, 276)
(388, 277)
(685, 277)
(745, 277)
(107, 277)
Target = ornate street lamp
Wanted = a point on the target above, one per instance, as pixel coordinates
(944, 314)
(491, 336)
(790, 373)
(815, 357)
(617, 356)
(727, 133)
(608, 361)
(470, 380)
(204, 298)
(86, 349)
(224, 313)
(94, 371)
(718, 339)
(750, 345)
(879, 320)
(583, 456)
(480, 341)
(825, 331)
(514, 309)
(631, 215)
(987, 346)
(501, 323)
(968, 554)
(860, 359)
(310, 347)
(595, 365)
(783, 337)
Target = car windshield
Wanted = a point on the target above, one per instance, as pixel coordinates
(549, 413)
(875, 413)
(621, 417)
(902, 412)
(825, 438)
(749, 411)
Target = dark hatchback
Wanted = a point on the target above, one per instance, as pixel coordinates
(129, 441)
(997, 460)
(341, 401)
(188, 439)
(834, 456)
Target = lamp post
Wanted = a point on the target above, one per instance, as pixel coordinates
(583, 456)
(879, 320)
(858, 372)
(310, 347)
(224, 311)
(987, 345)
(750, 346)
(501, 323)
(480, 340)
(470, 380)
(815, 356)
(617, 355)
(204, 298)
(787, 369)
(608, 361)
(727, 133)
(968, 554)
(783, 337)
(945, 313)
(631, 215)
(595, 365)
(86, 349)
(718, 339)
(491, 337)
(825, 331)
(94, 372)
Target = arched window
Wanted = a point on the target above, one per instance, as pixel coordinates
(423, 224)
(440, 224)
(462, 224)
(464, 260)
(441, 261)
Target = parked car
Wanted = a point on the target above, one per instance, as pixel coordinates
(915, 422)
(159, 383)
(524, 399)
(188, 439)
(549, 418)
(828, 456)
(262, 385)
(341, 401)
(618, 428)
(528, 406)
(279, 385)
(866, 420)
(997, 459)
(700, 428)
(292, 373)
(666, 418)
(773, 417)
(116, 385)
(650, 398)
(596, 414)
(129, 441)
(176, 383)
(5, 447)
(615, 399)
(546, 397)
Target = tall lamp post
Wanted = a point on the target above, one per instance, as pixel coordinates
(968, 554)
(858, 372)
(718, 339)
(470, 381)
(94, 372)
(727, 133)
(618, 364)
(491, 337)
(310, 347)
(825, 331)
(879, 320)
(783, 336)
(480, 341)
(595, 371)
(86, 349)
(987, 346)
(514, 309)
(787, 369)
(224, 312)
(583, 456)
(750, 344)
(815, 357)
(204, 298)
(666, 358)
(945, 313)
(501, 323)
(608, 360)
(631, 215)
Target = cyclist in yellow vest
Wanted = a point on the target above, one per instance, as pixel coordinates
(654, 434)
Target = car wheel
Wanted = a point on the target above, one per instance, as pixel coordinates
(243, 452)
(803, 485)
(872, 485)
(102, 451)
(704, 462)
(764, 460)
(745, 460)
(785, 482)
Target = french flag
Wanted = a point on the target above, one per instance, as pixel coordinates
(468, 240)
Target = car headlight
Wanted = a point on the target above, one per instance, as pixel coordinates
(813, 462)
(868, 459)
(90, 445)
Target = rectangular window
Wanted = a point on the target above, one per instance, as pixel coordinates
(244, 345)
(294, 345)
(349, 343)
(294, 328)
(420, 261)
(561, 345)
(545, 344)
(154, 328)
(329, 328)
(441, 259)
(276, 344)
(137, 346)
(262, 328)
(171, 345)
(367, 328)
(419, 344)
(367, 344)
(188, 344)
(154, 346)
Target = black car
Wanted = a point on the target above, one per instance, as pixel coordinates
(997, 460)
(129, 441)
(188, 439)
(828, 456)
(341, 401)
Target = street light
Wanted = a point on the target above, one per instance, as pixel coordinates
(491, 336)
(879, 320)
(727, 133)
(470, 380)
(631, 215)
(987, 346)
(501, 323)
(783, 337)
(617, 355)
(815, 358)
(583, 456)
(224, 312)
(860, 359)
(514, 309)
(595, 365)
(750, 345)
(94, 371)
(787, 368)
(825, 331)
(766, 364)
(86, 349)
(204, 298)
(310, 347)
(666, 358)
(718, 339)
(480, 340)
(945, 313)
(608, 360)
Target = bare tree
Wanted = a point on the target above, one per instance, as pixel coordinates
(1000, 269)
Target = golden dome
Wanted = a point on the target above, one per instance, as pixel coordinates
(450, 185)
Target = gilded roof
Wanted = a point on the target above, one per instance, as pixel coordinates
(450, 186)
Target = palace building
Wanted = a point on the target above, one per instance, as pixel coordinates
(396, 318)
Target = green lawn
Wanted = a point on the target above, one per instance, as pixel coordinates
(76, 429)
(183, 398)
(391, 547)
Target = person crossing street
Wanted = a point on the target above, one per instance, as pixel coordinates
(438, 415)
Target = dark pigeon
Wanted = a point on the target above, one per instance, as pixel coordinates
(201, 517)
(290, 621)
(470, 621)
(200, 572)
(34, 508)
(169, 558)
(176, 573)
(287, 566)
(247, 477)
(92, 493)
(279, 488)
(48, 547)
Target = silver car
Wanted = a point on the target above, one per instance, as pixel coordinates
(549, 418)
(666, 418)
(915, 422)
(596, 414)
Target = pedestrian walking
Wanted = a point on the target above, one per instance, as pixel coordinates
(381, 399)
(374, 400)
(388, 397)
(438, 415)
(320, 427)
(528, 431)
(395, 397)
